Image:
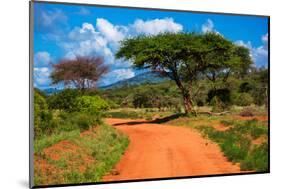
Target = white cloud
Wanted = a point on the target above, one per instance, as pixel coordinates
(123, 73)
(109, 31)
(265, 38)
(102, 39)
(83, 11)
(86, 27)
(208, 26)
(259, 54)
(117, 75)
(41, 76)
(42, 58)
(48, 18)
(156, 26)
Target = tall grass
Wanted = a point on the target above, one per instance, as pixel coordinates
(236, 143)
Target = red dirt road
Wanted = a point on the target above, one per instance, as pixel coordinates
(157, 151)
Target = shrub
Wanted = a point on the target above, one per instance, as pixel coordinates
(77, 120)
(43, 118)
(237, 146)
(217, 104)
(222, 94)
(219, 99)
(64, 100)
(90, 104)
(246, 87)
(112, 105)
(84, 121)
(242, 99)
(247, 112)
(257, 159)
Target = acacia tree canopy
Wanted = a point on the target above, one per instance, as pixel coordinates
(184, 57)
(81, 72)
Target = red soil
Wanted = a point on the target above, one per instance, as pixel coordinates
(75, 157)
(158, 151)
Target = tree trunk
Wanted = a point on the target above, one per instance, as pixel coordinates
(187, 103)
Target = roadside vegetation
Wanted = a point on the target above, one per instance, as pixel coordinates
(242, 141)
(72, 144)
(211, 86)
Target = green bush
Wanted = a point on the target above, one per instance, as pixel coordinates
(84, 121)
(90, 104)
(43, 118)
(242, 99)
(76, 120)
(64, 100)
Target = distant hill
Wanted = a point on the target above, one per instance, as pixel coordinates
(147, 77)
(49, 91)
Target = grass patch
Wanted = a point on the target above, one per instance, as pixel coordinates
(236, 143)
(46, 141)
(107, 148)
(257, 159)
(141, 113)
(82, 158)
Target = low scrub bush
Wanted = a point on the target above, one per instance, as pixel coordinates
(236, 143)
(247, 112)
(76, 120)
(242, 99)
(257, 159)
(124, 114)
(43, 118)
(90, 104)
(64, 100)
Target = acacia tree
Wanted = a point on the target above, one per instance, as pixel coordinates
(81, 72)
(221, 65)
(183, 57)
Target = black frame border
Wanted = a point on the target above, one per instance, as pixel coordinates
(31, 92)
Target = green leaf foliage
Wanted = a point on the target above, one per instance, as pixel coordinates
(90, 104)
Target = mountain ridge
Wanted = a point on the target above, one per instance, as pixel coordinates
(147, 77)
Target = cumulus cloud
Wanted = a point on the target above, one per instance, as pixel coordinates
(42, 59)
(156, 26)
(102, 38)
(259, 54)
(109, 31)
(41, 76)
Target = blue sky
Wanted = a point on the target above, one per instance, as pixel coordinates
(64, 31)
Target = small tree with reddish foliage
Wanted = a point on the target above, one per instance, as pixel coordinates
(81, 72)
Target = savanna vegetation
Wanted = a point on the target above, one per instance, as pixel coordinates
(72, 144)
(212, 87)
